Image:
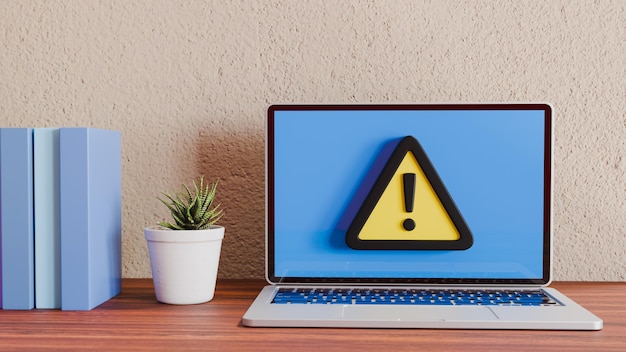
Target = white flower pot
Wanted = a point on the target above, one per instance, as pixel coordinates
(184, 263)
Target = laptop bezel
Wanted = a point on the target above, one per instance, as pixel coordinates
(269, 189)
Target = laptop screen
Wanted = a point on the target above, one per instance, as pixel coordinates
(439, 193)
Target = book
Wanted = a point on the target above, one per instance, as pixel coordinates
(47, 218)
(91, 231)
(16, 214)
(0, 245)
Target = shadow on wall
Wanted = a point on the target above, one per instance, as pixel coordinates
(238, 161)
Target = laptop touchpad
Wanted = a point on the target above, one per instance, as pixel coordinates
(427, 313)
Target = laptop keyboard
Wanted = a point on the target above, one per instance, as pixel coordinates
(412, 296)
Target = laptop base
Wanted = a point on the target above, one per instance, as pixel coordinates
(567, 316)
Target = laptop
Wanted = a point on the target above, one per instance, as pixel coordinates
(411, 216)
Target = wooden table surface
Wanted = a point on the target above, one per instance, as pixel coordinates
(135, 321)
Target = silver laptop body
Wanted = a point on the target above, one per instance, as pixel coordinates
(473, 215)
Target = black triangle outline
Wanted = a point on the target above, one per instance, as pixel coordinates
(406, 145)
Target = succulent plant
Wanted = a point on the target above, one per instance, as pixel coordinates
(192, 210)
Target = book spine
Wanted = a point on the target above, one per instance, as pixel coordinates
(0, 250)
(47, 218)
(90, 198)
(16, 213)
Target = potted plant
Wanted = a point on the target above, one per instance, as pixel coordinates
(184, 254)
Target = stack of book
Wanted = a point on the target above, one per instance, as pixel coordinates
(60, 217)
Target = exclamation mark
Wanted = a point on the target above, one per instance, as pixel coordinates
(409, 195)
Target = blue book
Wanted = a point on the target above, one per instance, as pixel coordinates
(91, 213)
(16, 214)
(47, 218)
(0, 255)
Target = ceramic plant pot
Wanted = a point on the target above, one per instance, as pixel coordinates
(184, 263)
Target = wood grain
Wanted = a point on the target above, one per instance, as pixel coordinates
(135, 321)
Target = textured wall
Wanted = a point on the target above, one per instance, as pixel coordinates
(188, 82)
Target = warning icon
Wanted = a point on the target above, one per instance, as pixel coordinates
(409, 207)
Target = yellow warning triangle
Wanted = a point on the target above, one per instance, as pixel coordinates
(409, 207)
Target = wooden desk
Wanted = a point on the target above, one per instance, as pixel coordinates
(134, 321)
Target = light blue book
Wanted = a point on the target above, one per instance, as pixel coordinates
(47, 218)
(91, 212)
(16, 214)
(0, 257)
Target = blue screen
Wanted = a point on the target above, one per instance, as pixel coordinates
(492, 162)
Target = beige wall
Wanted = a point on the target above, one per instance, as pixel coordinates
(188, 82)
